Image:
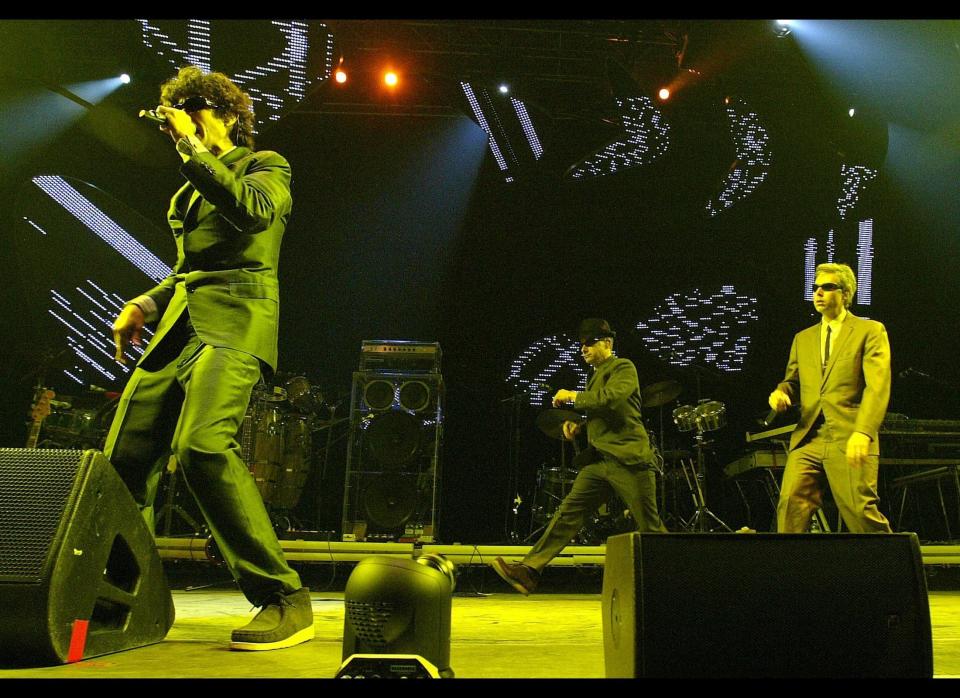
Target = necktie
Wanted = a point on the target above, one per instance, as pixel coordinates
(826, 349)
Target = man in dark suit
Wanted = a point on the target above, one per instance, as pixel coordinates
(839, 369)
(619, 457)
(217, 315)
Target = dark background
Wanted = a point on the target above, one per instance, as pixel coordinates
(403, 227)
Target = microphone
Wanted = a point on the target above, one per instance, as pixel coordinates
(770, 418)
(152, 115)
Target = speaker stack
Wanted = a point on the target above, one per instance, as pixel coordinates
(765, 605)
(392, 485)
(79, 572)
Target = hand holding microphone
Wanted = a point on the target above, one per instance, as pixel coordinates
(171, 120)
(779, 402)
(152, 115)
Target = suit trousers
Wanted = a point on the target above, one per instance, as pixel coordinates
(821, 456)
(193, 403)
(635, 484)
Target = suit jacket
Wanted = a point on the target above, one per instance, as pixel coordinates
(227, 222)
(612, 403)
(852, 391)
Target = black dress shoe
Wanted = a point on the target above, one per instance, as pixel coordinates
(522, 578)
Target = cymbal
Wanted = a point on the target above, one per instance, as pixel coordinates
(660, 393)
(550, 422)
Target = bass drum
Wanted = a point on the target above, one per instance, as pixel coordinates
(267, 460)
(549, 493)
(296, 464)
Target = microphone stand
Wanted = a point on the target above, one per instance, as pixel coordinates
(511, 520)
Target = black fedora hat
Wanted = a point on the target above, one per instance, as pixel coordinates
(593, 329)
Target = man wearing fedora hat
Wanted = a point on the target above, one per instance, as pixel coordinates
(619, 458)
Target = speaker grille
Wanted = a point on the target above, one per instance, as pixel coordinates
(34, 488)
(369, 619)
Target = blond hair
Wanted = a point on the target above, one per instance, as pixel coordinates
(848, 281)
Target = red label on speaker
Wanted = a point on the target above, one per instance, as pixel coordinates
(78, 641)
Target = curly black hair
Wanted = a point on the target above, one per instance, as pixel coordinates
(218, 89)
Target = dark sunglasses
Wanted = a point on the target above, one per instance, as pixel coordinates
(591, 342)
(192, 104)
(827, 287)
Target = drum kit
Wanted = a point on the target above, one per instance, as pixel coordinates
(676, 465)
(554, 482)
(79, 422)
(276, 440)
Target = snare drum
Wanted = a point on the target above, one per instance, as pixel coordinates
(685, 417)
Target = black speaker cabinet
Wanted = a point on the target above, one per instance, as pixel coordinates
(392, 480)
(79, 572)
(765, 605)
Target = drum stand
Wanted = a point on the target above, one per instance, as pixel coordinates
(694, 474)
(170, 507)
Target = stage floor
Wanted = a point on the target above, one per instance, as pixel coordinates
(502, 635)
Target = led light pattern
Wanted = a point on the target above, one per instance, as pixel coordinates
(854, 179)
(752, 163)
(810, 261)
(865, 262)
(87, 313)
(30, 222)
(293, 61)
(709, 329)
(646, 140)
(107, 230)
(809, 267)
(528, 130)
(539, 363)
(198, 44)
(485, 125)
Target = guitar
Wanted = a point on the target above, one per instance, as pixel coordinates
(39, 412)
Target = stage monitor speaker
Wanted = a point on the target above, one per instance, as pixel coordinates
(79, 572)
(397, 606)
(765, 605)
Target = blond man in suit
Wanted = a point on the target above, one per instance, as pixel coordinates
(839, 370)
